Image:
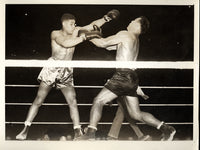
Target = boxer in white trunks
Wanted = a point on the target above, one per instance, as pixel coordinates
(63, 44)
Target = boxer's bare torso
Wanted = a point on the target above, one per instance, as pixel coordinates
(60, 51)
(128, 48)
(126, 42)
(126, 45)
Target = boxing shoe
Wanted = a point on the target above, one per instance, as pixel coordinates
(145, 138)
(89, 135)
(168, 132)
(85, 137)
(77, 133)
(21, 137)
(23, 134)
(111, 138)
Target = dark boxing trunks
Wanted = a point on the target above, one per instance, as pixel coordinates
(123, 82)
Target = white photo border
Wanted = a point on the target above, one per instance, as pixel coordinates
(99, 145)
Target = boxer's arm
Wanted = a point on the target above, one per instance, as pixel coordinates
(107, 42)
(141, 93)
(66, 41)
(98, 23)
(111, 15)
(114, 47)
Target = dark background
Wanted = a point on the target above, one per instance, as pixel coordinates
(170, 37)
(96, 77)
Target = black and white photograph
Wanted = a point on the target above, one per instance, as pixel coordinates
(100, 75)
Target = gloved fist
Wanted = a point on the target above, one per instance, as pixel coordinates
(113, 14)
(88, 35)
(96, 28)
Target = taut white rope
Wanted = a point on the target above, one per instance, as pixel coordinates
(87, 86)
(61, 104)
(103, 123)
(100, 64)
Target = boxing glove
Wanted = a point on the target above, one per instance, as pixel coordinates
(113, 14)
(88, 35)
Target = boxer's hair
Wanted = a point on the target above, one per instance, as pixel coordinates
(144, 24)
(67, 16)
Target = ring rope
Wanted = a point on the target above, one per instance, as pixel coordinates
(103, 123)
(102, 64)
(84, 86)
(62, 104)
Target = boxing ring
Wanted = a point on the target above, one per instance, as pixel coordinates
(55, 104)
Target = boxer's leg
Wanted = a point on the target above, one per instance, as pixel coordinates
(41, 95)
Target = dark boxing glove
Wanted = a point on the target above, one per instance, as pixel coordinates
(96, 28)
(88, 35)
(113, 14)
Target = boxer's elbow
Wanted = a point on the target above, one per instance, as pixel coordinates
(110, 48)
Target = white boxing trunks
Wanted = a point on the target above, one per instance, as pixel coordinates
(58, 77)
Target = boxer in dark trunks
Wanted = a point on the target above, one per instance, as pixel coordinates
(125, 81)
(63, 44)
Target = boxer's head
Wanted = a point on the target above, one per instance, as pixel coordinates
(68, 23)
(139, 26)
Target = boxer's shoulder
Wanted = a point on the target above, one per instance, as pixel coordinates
(55, 33)
(122, 33)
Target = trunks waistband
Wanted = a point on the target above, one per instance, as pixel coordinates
(125, 70)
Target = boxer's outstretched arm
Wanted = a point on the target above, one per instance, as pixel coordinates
(113, 14)
(66, 41)
(107, 42)
(98, 23)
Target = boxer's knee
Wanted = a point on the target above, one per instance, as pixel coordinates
(70, 97)
(99, 101)
(135, 115)
(72, 103)
(37, 102)
(39, 98)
